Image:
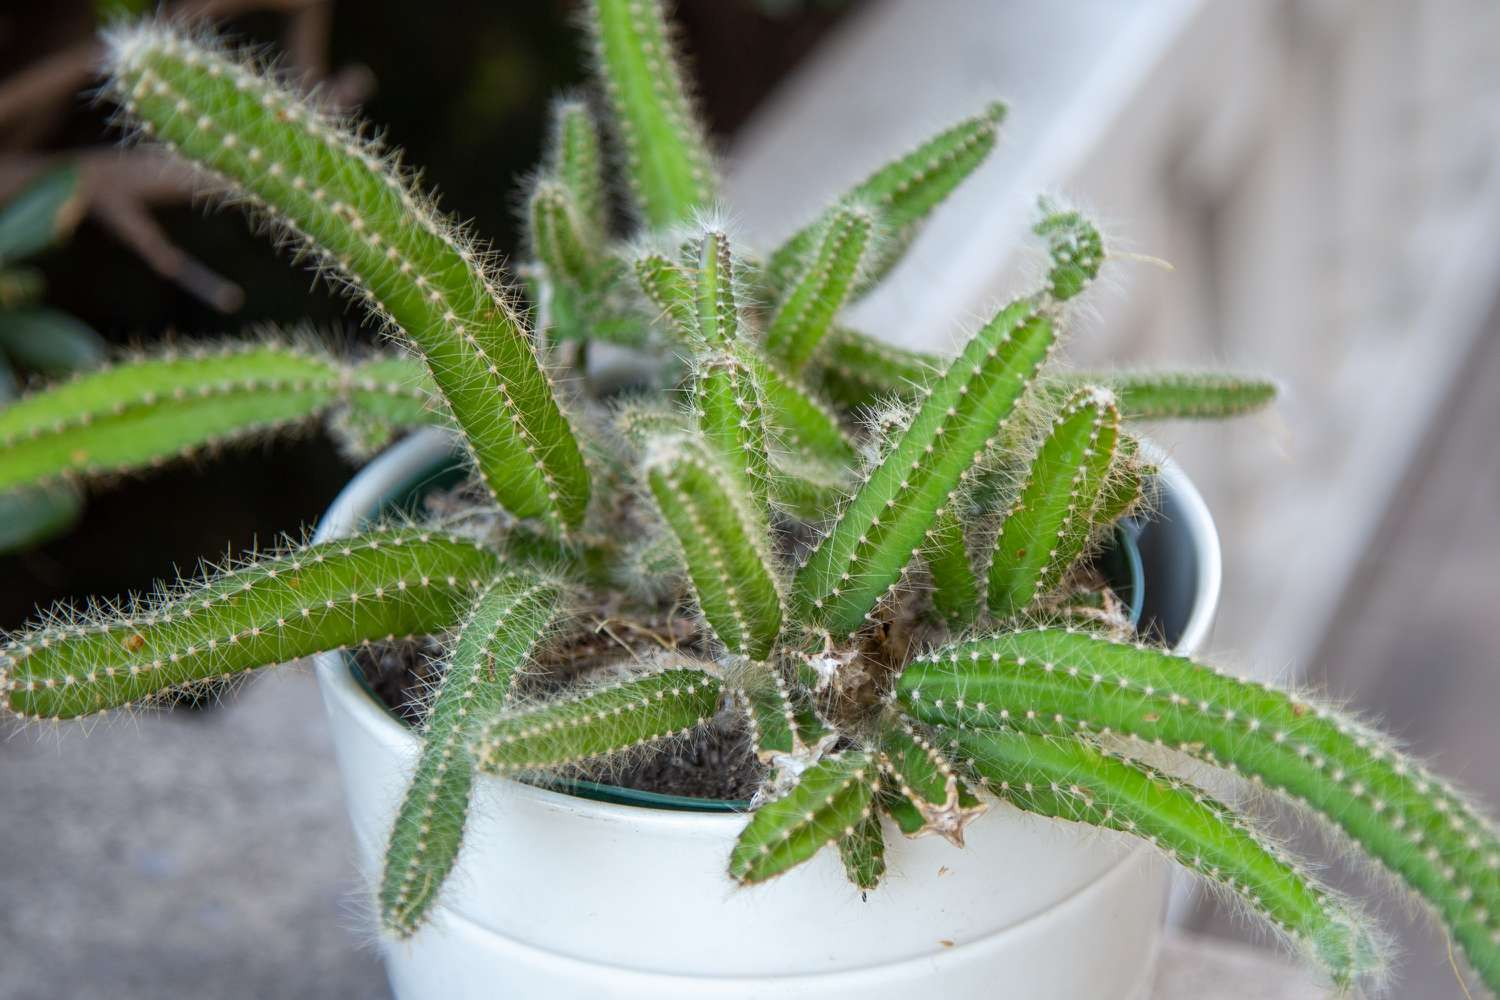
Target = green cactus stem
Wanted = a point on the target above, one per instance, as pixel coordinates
(1048, 525)
(672, 291)
(923, 792)
(717, 314)
(144, 412)
(732, 420)
(724, 547)
(855, 370)
(863, 853)
(1075, 247)
(577, 162)
(766, 701)
(557, 235)
(588, 728)
(1072, 780)
(865, 553)
(903, 193)
(955, 589)
(1127, 485)
(667, 163)
(379, 585)
(795, 416)
(828, 277)
(1064, 682)
(353, 209)
(830, 801)
(1186, 395)
(494, 642)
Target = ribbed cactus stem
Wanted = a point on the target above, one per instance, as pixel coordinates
(856, 370)
(955, 588)
(380, 585)
(903, 193)
(732, 420)
(558, 237)
(577, 162)
(1072, 780)
(1049, 523)
(667, 162)
(1076, 249)
(830, 801)
(671, 290)
(723, 538)
(590, 727)
(1189, 395)
(504, 624)
(144, 412)
(1063, 682)
(351, 206)
(717, 314)
(863, 852)
(923, 792)
(825, 282)
(802, 424)
(864, 555)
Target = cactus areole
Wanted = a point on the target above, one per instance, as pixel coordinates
(874, 565)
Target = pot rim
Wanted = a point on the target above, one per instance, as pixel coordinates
(405, 461)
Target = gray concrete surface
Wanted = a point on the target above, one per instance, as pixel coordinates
(191, 854)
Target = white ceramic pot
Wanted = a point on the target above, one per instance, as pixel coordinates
(561, 897)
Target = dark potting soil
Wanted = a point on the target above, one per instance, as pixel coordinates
(715, 763)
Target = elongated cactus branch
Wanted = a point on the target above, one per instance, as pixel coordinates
(504, 624)
(144, 412)
(829, 275)
(1061, 682)
(380, 585)
(722, 535)
(1186, 395)
(577, 162)
(831, 801)
(855, 370)
(864, 555)
(667, 162)
(732, 418)
(355, 212)
(1072, 780)
(924, 792)
(955, 588)
(587, 728)
(903, 193)
(1048, 526)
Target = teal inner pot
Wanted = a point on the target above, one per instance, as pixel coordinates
(1120, 563)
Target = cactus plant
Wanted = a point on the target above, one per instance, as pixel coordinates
(886, 552)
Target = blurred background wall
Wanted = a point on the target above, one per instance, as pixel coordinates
(1320, 174)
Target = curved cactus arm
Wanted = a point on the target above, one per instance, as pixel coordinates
(511, 615)
(352, 208)
(766, 702)
(723, 540)
(1186, 395)
(856, 370)
(822, 285)
(865, 553)
(903, 193)
(378, 585)
(1075, 247)
(1049, 523)
(1064, 682)
(672, 290)
(587, 728)
(732, 420)
(1072, 780)
(801, 423)
(1127, 484)
(831, 799)
(955, 587)
(557, 235)
(147, 411)
(576, 160)
(806, 489)
(667, 163)
(863, 852)
(923, 792)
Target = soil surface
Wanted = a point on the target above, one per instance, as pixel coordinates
(715, 763)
